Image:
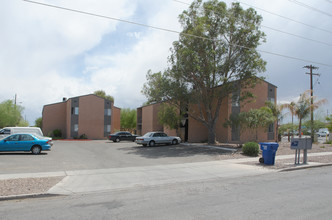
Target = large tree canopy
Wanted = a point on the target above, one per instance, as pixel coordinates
(216, 48)
(11, 114)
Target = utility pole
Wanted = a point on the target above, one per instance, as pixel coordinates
(311, 67)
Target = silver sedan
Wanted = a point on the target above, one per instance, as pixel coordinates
(153, 138)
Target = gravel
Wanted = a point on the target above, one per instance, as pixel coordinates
(27, 186)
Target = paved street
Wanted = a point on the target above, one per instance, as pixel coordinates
(301, 194)
(102, 154)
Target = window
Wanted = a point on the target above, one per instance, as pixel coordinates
(108, 128)
(76, 127)
(76, 110)
(25, 137)
(13, 138)
(271, 127)
(108, 112)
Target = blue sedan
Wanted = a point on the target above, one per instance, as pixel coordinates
(25, 142)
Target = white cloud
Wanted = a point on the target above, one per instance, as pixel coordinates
(48, 53)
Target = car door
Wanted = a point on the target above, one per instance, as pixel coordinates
(126, 136)
(156, 138)
(25, 142)
(164, 138)
(10, 143)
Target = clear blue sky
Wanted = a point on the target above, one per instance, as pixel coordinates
(47, 54)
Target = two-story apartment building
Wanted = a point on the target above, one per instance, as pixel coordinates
(88, 115)
(192, 130)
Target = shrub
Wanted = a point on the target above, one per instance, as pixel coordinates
(56, 134)
(250, 149)
(83, 136)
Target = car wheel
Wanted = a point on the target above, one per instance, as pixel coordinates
(117, 140)
(152, 143)
(174, 142)
(35, 150)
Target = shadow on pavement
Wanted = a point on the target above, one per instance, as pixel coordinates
(180, 150)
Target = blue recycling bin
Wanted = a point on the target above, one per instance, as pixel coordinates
(269, 150)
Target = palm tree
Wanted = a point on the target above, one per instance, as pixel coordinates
(276, 111)
(303, 107)
(291, 108)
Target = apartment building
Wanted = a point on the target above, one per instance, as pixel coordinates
(88, 115)
(192, 130)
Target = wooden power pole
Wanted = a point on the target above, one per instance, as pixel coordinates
(311, 67)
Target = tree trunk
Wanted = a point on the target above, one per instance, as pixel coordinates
(300, 125)
(211, 134)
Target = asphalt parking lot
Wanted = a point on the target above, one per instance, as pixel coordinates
(102, 154)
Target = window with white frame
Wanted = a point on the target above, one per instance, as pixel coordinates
(76, 127)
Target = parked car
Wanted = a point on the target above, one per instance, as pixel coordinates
(6, 131)
(122, 136)
(323, 133)
(25, 142)
(153, 138)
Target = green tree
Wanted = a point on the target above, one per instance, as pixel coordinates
(291, 108)
(39, 122)
(216, 48)
(101, 93)
(329, 123)
(128, 119)
(276, 111)
(306, 128)
(285, 128)
(169, 116)
(257, 118)
(252, 120)
(11, 114)
(304, 106)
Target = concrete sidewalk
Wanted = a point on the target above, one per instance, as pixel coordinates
(87, 181)
(122, 178)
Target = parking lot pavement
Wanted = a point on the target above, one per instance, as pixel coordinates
(103, 154)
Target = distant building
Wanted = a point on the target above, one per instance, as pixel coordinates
(88, 115)
(192, 130)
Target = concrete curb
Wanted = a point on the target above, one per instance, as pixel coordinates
(302, 167)
(28, 196)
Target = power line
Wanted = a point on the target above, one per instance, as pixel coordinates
(299, 36)
(287, 18)
(169, 30)
(281, 31)
(310, 7)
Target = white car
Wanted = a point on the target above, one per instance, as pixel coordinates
(153, 138)
(322, 134)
